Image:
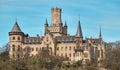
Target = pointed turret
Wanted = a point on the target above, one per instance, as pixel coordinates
(46, 27)
(65, 24)
(79, 30)
(100, 34)
(16, 28)
(46, 23)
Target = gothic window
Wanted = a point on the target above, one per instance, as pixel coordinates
(18, 48)
(18, 38)
(13, 38)
(13, 47)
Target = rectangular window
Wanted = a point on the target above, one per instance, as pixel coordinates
(65, 48)
(70, 48)
(70, 55)
(73, 54)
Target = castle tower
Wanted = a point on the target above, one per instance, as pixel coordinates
(56, 28)
(56, 17)
(15, 42)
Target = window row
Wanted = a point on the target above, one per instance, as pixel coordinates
(16, 56)
(65, 48)
(14, 48)
(70, 54)
(14, 38)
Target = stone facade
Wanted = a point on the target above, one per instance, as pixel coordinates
(57, 41)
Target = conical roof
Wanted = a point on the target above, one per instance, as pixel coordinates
(79, 30)
(16, 28)
(65, 24)
(100, 34)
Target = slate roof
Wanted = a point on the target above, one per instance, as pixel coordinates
(16, 28)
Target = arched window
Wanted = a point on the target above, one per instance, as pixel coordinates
(18, 48)
(13, 38)
(18, 38)
(13, 47)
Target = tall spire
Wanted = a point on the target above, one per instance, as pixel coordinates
(16, 28)
(65, 24)
(100, 34)
(46, 23)
(79, 30)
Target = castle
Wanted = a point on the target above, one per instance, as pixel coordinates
(57, 41)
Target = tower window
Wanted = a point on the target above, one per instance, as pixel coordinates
(13, 38)
(13, 47)
(18, 38)
(18, 48)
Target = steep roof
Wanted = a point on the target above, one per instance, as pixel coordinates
(79, 30)
(16, 28)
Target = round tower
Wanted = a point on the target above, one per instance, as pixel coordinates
(15, 42)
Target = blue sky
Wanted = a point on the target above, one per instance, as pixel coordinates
(31, 16)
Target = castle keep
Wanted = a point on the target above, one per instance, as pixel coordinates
(57, 41)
